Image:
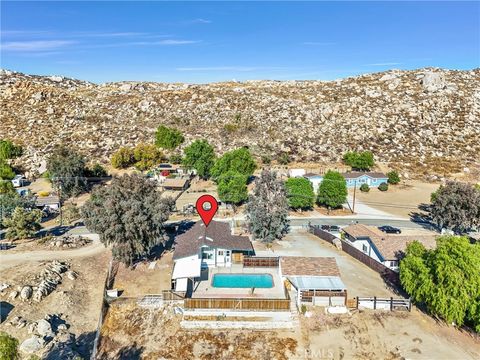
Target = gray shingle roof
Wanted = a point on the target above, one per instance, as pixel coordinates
(357, 174)
(217, 234)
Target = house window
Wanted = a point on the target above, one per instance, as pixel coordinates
(394, 263)
(220, 252)
(364, 248)
(207, 256)
(227, 252)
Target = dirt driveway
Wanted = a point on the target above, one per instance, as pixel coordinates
(359, 279)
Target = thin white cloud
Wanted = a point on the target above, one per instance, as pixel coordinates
(384, 64)
(35, 45)
(201, 21)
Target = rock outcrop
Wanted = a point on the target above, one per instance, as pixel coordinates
(417, 116)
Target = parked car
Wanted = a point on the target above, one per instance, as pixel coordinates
(330, 228)
(389, 229)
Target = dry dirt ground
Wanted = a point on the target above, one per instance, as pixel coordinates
(401, 199)
(78, 301)
(130, 332)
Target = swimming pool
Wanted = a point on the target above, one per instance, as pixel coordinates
(242, 281)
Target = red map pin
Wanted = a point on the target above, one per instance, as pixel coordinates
(206, 206)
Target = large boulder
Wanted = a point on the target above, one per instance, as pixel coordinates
(26, 292)
(32, 345)
(433, 82)
(44, 328)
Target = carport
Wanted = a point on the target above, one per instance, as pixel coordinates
(319, 290)
(184, 270)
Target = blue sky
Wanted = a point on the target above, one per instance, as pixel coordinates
(217, 41)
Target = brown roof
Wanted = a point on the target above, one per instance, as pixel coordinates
(47, 200)
(357, 174)
(177, 182)
(390, 246)
(309, 266)
(217, 234)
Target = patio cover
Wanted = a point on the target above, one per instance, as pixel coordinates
(317, 282)
(187, 268)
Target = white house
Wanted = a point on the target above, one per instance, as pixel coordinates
(204, 247)
(387, 249)
(296, 172)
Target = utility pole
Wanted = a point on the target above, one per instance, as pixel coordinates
(354, 191)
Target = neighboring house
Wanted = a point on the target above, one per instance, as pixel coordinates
(175, 184)
(316, 280)
(19, 181)
(52, 202)
(387, 249)
(296, 172)
(357, 178)
(204, 247)
(315, 179)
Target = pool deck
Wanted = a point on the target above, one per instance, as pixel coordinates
(204, 289)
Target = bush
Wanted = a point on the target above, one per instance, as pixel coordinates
(8, 150)
(393, 177)
(266, 159)
(359, 160)
(8, 347)
(283, 159)
(383, 186)
(167, 138)
(6, 171)
(176, 159)
(43, 193)
(364, 188)
(97, 171)
(6, 187)
(23, 223)
(123, 158)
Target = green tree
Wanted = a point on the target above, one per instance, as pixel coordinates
(446, 279)
(239, 160)
(332, 191)
(22, 223)
(8, 150)
(123, 158)
(267, 208)
(67, 171)
(10, 201)
(96, 171)
(6, 171)
(129, 214)
(456, 206)
(147, 156)
(363, 161)
(167, 138)
(8, 347)
(393, 177)
(6, 187)
(364, 188)
(300, 193)
(232, 187)
(199, 155)
(383, 186)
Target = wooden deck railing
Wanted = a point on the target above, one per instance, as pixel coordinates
(250, 261)
(238, 304)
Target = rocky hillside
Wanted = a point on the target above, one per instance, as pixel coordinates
(426, 116)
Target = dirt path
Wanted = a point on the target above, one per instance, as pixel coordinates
(8, 260)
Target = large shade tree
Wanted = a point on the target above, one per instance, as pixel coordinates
(129, 215)
(456, 206)
(267, 208)
(239, 160)
(300, 193)
(446, 279)
(332, 191)
(232, 187)
(67, 171)
(199, 155)
(168, 138)
(359, 160)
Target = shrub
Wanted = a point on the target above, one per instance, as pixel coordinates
(283, 159)
(6, 187)
(393, 177)
(8, 347)
(176, 159)
(43, 193)
(383, 186)
(266, 159)
(97, 171)
(22, 223)
(364, 188)
(123, 158)
(167, 138)
(6, 171)
(8, 150)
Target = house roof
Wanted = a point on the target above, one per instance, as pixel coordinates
(309, 266)
(47, 200)
(310, 175)
(317, 282)
(176, 182)
(357, 174)
(217, 234)
(391, 247)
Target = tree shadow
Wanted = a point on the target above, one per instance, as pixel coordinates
(423, 218)
(70, 348)
(132, 352)
(5, 309)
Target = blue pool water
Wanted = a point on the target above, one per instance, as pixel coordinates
(242, 281)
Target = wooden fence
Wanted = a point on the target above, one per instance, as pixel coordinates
(171, 295)
(237, 304)
(387, 274)
(250, 261)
